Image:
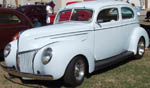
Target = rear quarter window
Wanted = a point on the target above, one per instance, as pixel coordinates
(6, 18)
(108, 15)
(127, 13)
(21, 10)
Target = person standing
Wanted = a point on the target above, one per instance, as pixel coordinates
(4, 3)
(147, 15)
(52, 4)
(49, 12)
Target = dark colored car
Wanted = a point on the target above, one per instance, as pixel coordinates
(37, 12)
(11, 23)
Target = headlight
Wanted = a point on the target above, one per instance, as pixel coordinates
(47, 55)
(7, 50)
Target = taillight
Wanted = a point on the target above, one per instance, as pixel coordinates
(16, 37)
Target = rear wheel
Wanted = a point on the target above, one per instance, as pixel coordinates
(140, 49)
(75, 72)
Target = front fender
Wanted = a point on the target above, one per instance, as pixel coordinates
(10, 60)
(137, 33)
(63, 53)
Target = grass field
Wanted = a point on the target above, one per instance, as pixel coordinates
(130, 74)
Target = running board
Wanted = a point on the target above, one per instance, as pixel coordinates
(115, 59)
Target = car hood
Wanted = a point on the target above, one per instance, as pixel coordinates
(41, 36)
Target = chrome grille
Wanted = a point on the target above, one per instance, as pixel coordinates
(25, 62)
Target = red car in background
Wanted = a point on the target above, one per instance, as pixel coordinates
(37, 12)
(68, 3)
(11, 23)
(52, 17)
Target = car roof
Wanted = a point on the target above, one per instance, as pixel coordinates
(29, 6)
(4, 8)
(8, 10)
(96, 4)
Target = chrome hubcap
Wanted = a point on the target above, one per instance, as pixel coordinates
(79, 69)
(141, 47)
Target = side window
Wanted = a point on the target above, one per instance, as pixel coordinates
(21, 10)
(108, 15)
(34, 10)
(38, 10)
(64, 16)
(127, 13)
(6, 18)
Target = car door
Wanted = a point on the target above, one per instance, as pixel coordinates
(11, 23)
(129, 22)
(108, 33)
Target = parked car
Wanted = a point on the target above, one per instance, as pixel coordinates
(11, 23)
(34, 12)
(72, 2)
(138, 10)
(85, 37)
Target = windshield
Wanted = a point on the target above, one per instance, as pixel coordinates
(75, 15)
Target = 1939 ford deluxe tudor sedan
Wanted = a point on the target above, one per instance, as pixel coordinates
(85, 37)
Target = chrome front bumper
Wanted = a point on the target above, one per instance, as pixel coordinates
(12, 71)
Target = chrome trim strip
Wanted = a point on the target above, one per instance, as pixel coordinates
(17, 65)
(69, 35)
(63, 34)
(115, 26)
(33, 60)
(49, 44)
(28, 51)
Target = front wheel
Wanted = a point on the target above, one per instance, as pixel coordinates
(75, 72)
(140, 49)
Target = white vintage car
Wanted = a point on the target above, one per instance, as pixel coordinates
(85, 37)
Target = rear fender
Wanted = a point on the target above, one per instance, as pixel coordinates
(137, 33)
